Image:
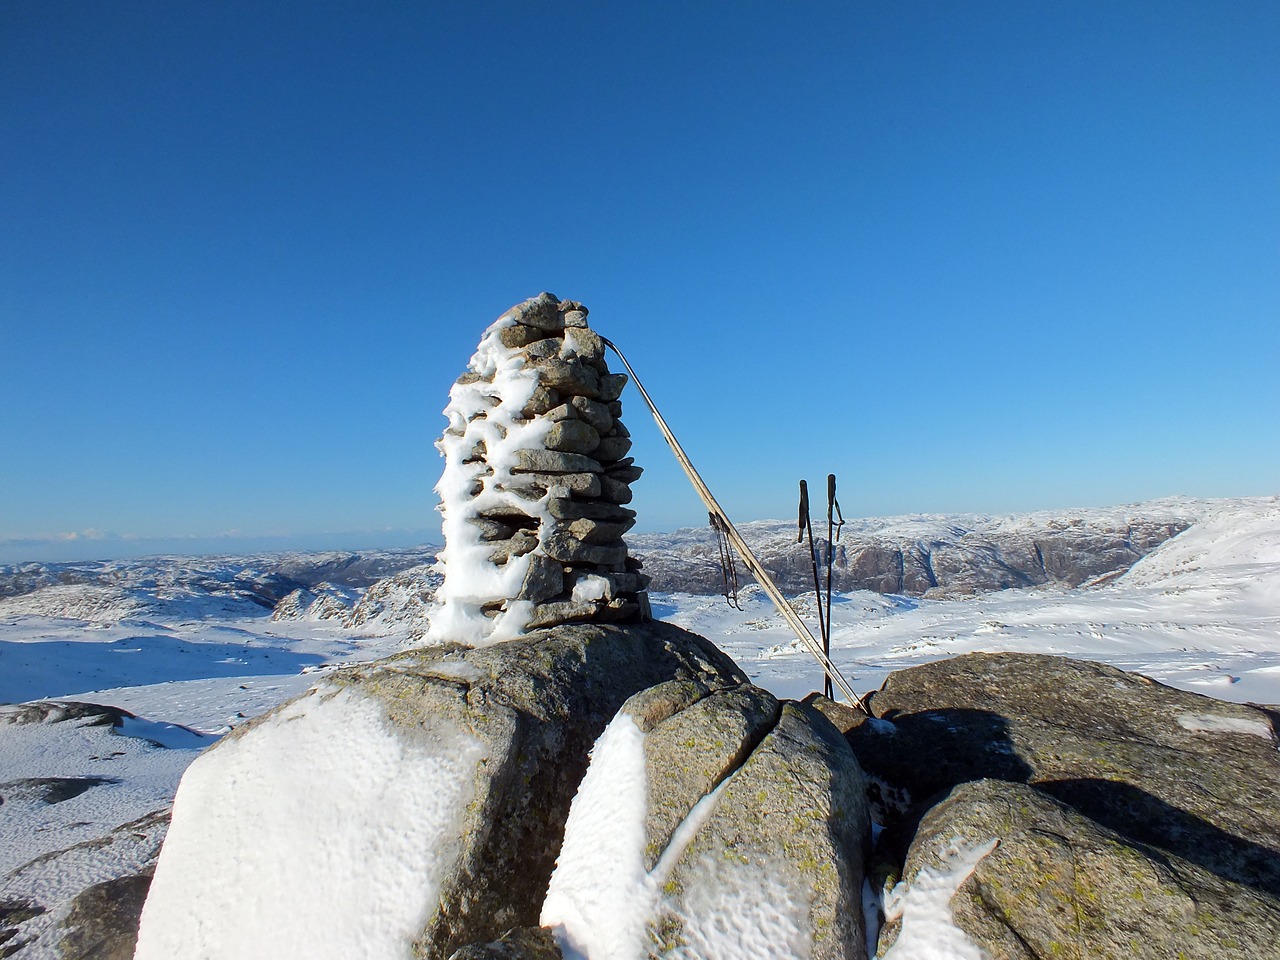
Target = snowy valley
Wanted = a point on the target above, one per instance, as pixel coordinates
(1186, 592)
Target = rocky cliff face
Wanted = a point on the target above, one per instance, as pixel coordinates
(931, 556)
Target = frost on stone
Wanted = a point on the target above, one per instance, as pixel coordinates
(534, 482)
(929, 931)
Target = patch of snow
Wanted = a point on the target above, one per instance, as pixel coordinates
(600, 897)
(929, 931)
(457, 670)
(1199, 723)
(91, 604)
(260, 861)
(740, 911)
(590, 587)
(171, 736)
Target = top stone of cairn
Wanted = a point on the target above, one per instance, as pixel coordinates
(536, 475)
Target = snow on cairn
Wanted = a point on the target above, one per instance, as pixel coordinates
(535, 478)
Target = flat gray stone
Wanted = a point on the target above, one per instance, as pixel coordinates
(570, 377)
(595, 413)
(561, 545)
(584, 343)
(615, 491)
(599, 531)
(562, 485)
(542, 312)
(543, 580)
(554, 461)
(544, 349)
(628, 474)
(614, 448)
(564, 509)
(541, 400)
(572, 436)
(610, 389)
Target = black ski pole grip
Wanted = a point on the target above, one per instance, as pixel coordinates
(804, 509)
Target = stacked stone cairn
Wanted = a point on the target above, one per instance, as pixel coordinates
(535, 481)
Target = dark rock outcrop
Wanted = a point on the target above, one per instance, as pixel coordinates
(1189, 774)
(102, 923)
(57, 711)
(522, 943)
(1060, 885)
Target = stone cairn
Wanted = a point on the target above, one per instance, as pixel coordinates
(536, 475)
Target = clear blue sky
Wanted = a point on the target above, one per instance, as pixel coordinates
(970, 257)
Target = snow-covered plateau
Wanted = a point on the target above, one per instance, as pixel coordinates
(191, 648)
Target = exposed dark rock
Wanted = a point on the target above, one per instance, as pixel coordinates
(522, 943)
(1059, 885)
(953, 561)
(14, 913)
(56, 711)
(1195, 777)
(103, 920)
(49, 790)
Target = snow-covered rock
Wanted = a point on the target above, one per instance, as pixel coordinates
(324, 601)
(191, 587)
(84, 801)
(398, 604)
(713, 824)
(91, 604)
(415, 803)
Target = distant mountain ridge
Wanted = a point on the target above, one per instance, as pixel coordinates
(933, 555)
(263, 579)
(943, 555)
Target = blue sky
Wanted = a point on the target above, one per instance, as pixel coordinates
(969, 257)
